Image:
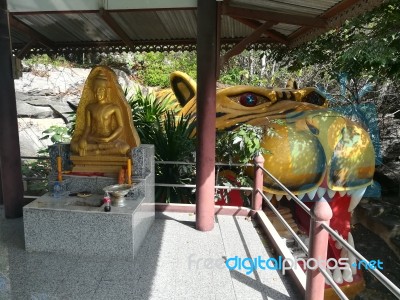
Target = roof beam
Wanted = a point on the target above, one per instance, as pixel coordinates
(17, 25)
(335, 17)
(273, 16)
(279, 37)
(106, 16)
(238, 48)
(28, 46)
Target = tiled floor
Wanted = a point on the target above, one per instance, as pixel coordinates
(175, 262)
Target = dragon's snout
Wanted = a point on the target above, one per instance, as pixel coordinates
(319, 150)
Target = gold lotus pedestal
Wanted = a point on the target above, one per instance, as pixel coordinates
(104, 164)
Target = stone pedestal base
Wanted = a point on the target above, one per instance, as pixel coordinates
(80, 226)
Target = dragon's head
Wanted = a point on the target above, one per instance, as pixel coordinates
(314, 151)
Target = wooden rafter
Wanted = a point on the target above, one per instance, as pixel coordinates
(106, 16)
(279, 37)
(238, 48)
(335, 16)
(28, 46)
(266, 15)
(35, 36)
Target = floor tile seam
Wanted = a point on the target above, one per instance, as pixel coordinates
(226, 253)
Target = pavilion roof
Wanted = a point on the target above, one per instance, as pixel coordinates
(76, 26)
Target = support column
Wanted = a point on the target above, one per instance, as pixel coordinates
(1, 190)
(315, 282)
(258, 184)
(206, 90)
(10, 166)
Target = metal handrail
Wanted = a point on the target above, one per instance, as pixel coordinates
(35, 157)
(382, 278)
(333, 284)
(283, 221)
(294, 197)
(168, 162)
(377, 274)
(217, 187)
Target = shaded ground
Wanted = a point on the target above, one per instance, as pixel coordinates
(371, 246)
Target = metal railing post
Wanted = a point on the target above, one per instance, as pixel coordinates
(315, 284)
(258, 183)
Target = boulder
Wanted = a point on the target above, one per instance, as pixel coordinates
(30, 111)
(31, 132)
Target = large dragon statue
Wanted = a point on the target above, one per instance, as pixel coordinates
(317, 152)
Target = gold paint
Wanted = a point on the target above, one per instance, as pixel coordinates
(351, 290)
(312, 142)
(104, 123)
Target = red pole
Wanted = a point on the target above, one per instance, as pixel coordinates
(206, 109)
(258, 183)
(320, 213)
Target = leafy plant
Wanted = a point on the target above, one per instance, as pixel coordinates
(147, 111)
(238, 146)
(156, 124)
(173, 142)
(32, 170)
(57, 134)
(156, 66)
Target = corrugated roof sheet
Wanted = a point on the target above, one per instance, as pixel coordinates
(169, 29)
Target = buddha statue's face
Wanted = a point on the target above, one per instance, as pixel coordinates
(100, 90)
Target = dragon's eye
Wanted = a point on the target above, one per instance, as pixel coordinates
(248, 99)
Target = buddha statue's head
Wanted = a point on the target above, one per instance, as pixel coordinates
(101, 87)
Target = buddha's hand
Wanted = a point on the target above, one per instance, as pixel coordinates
(103, 140)
(82, 147)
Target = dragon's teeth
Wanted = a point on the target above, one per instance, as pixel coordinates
(331, 193)
(311, 194)
(342, 193)
(338, 245)
(288, 197)
(347, 274)
(300, 196)
(350, 240)
(330, 275)
(352, 258)
(321, 192)
(356, 197)
(269, 196)
(337, 276)
(344, 253)
(278, 197)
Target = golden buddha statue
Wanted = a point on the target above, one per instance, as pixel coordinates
(104, 125)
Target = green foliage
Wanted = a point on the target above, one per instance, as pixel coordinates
(367, 46)
(57, 134)
(156, 66)
(44, 59)
(173, 142)
(156, 124)
(147, 112)
(240, 145)
(38, 168)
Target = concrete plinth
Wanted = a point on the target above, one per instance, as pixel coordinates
(80, 226)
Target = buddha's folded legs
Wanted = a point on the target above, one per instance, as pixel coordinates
(117, 147)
